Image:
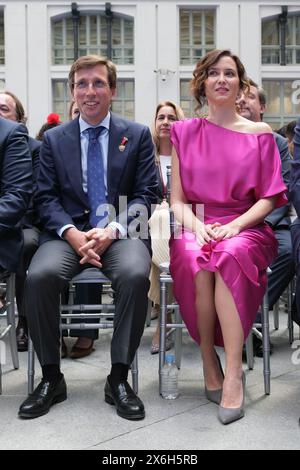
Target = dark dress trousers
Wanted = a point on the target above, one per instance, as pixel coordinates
(30, 224)
(295, 227)
(15, 190)
(283, 268)
(61, 201)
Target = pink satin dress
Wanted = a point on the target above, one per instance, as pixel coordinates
(227, 172)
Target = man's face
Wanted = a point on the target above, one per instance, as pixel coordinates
(92, 93)
(7, 107)
(249, 105)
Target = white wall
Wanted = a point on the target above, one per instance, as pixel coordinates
(250, 39)
(145, 62)
(28, 68)
(16, 65)
(38, 66)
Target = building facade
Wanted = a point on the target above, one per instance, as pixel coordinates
(155, 45)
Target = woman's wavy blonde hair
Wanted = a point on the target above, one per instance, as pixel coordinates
(197, 85)
(179, 116)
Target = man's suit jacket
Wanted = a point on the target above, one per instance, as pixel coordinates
(294, 191)
(294, 196)
(295, 172)
(280, 217)
(131, 172)
(15, 190)
(31, 218)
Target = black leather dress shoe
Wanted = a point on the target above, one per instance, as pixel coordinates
(22, 339)
(258, 347)
(44, 396)
(78, 352)
(128, 404)
(63, 349)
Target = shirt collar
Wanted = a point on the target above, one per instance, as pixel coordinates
(83, 125)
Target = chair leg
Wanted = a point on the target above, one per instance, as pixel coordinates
(276, 315)
(0, 379)
(3, 333)
(134, 374)
(30, 370)
(289, 308)
(249, 351)
(148, 317)
(11, 320)
(178, 339)
(266, 344)
(162, 336)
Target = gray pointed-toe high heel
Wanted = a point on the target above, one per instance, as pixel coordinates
(215, 395)
(229, 415)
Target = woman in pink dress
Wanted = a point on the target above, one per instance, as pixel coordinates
(226, 178)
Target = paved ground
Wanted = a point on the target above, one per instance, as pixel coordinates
(85, 421)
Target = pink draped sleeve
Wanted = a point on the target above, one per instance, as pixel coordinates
(270, 182)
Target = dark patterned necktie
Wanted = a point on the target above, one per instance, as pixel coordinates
(95, 177)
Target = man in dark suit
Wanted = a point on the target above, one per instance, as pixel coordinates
(15, 191)
(252, 106)
(294, 195)
(72, 205)
(12, 108)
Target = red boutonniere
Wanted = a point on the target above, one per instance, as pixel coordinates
(123, 144)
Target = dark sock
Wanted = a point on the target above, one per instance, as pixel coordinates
(51, 372)
(119, 373)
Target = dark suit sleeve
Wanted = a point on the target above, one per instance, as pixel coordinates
(16, 178)
(294, 193)
(48, 199)
(278, 215)
(31, 217)
(144, 193)
(35, 154)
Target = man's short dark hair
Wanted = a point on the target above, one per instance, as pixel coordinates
(20, 112)
(261, 92)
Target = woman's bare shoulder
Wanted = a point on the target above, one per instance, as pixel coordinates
(255, 127)
(262, 128)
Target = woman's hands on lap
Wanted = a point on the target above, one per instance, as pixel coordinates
(216, 231)
(205, 233)
(222, 232)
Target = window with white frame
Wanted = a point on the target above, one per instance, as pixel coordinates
(2, 44)
(270, 42)
(283, 101)
(122, 104)
(61, 98)
(197, 34)
(280, 38)
(92, 38)
(188, 103)
(293, 40)
(122, 40)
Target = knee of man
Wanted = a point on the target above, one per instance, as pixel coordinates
(136, 277)
(37, 276)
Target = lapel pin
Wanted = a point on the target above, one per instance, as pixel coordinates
(123, 144)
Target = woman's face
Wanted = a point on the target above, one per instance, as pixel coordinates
(222, 84)
(164, 120)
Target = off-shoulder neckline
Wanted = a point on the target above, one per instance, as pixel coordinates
(236, 132)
